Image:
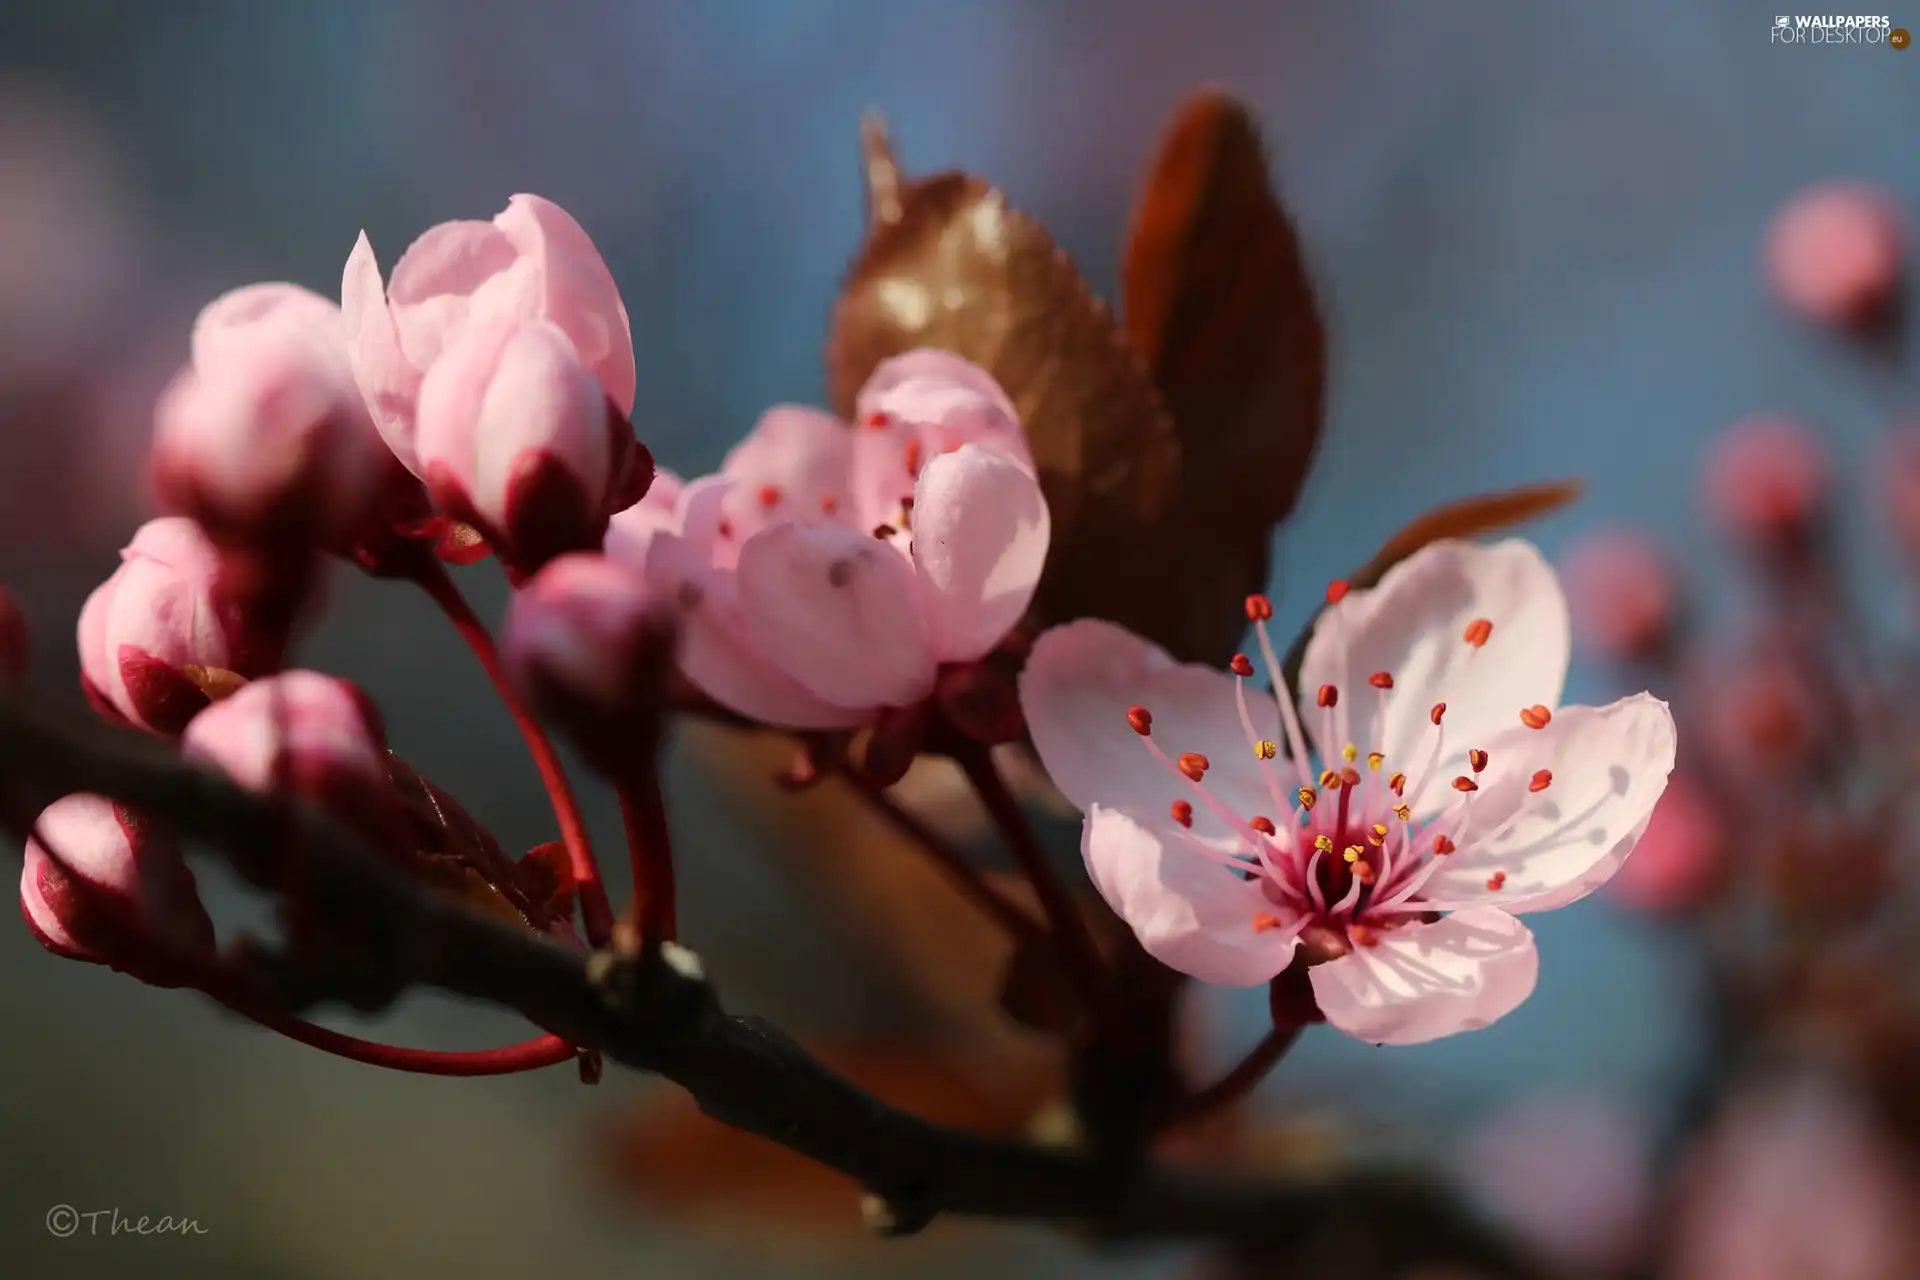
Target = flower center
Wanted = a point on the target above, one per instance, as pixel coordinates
(1341, 848)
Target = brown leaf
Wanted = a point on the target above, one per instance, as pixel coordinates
(1467, 518)
(948, 263)
(1219, 304)
(676, 1159)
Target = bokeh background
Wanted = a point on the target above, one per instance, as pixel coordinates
(1536, 233)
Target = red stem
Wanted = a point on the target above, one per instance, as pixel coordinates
(964, 875)
(649, 845)
(529, 1055)
(596, 914)
(1068, 927)
(1245, 1074)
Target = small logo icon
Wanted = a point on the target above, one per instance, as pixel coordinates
(1899, 38)
(1782, 21)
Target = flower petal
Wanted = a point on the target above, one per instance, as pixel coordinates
(793, 465)
(1424, 981)
(1609, 766)
(834, 608)
(580, 295)
(1188, 912)
(433, 286)
(389, 382)
(1411, 626)
(1077, 686)
(980, 531)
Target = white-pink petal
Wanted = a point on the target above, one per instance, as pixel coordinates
(793, 465)
(833, 608)
(1424, 981)
(1076, 688)
(1609, 767)
(1411, 626)
(980, 532)
(389, 382)
(1189, 912)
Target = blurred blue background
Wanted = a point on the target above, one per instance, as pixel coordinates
(1535, 230)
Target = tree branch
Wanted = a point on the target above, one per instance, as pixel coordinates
(379, 931)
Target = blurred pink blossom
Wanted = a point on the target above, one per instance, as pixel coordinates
(1767, 478)
(1835, 253)
(1621, 592)
(1681, 855)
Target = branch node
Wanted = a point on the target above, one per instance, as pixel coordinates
(891, 1217)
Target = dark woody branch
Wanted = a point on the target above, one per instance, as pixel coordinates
(363, 931)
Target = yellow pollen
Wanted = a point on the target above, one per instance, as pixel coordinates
(1399, 783)
(1265, 750)
(1378, 836)
(1349, 753)
(1307, 796)
(1353, 853)
(1329, 780)
(1323, 843)
(1375, 759)
(1403, 812)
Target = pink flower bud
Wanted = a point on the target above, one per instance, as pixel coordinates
(532, 262)
(166, 628)
(100, 884)
(15, 641)
(1834, 254)
(1621, 592)
(515, 436)
(591, 646)
(264, 437)
(311, 735)
(1766, 479)
(1680, 856)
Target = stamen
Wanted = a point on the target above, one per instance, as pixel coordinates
(1464, 784)
(1364, 874)
(1314, 894)
(1323, 843)
(1264, 923)
(1141, 719)
(1182, 813)
(1378, 836)
(1349, 753)
(1259, 608)
(1363, 935)
(1403, 812)
(1307, 796)
(1535, 716)
(876, 421)
(1497, 881)
(884, 531)
(1241, 666)
(769, 496)
(1329, 780)
(1443, 846)
(1397, 784)
(1265, 750)
(1542, 779)
(1438, 713)
(913, 458)
(1477, 759)
(1337, 590)
(1375, 759)
(1381, 680)
(1329, 696)
(1352, 853)
(1263, 824)
(1194, 765)
(1478, 632)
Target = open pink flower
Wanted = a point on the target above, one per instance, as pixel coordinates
(265, 434)
(828, 572)
(532, 262)
(1835, 252)
(152, 634)
(1453, 793)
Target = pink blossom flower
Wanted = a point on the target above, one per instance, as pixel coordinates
(88, 855)
(1454, 792)
(1834, 253)
(514, 435)
(1767, 478)
(1797, 1183)
(828, 572)
(152, 635)
(265, 434)
(532, 262)
(311, 735)
(1621, 591)
(1680, 857)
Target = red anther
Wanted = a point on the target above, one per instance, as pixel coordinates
(1337, 591)
(1262, 824)
(1182, 813)
(1363, 872)
(1542, 779)
(1349, 777)
(913, 458)
(1363, 935)
(1194, 765)
(1259, 608)
(884, 531)
(1497, 881)
(1477, 759)
(1381, 680)
(1464, 784)
(1141, 719)
(769, 496)
(829, 504)
(1398, 783)
(1536, 716)
(1263, 922)
(1443, 846)
(1478, 632)
(1329, 696)
(876, 421)
(1241, 665)
(1439, 710)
